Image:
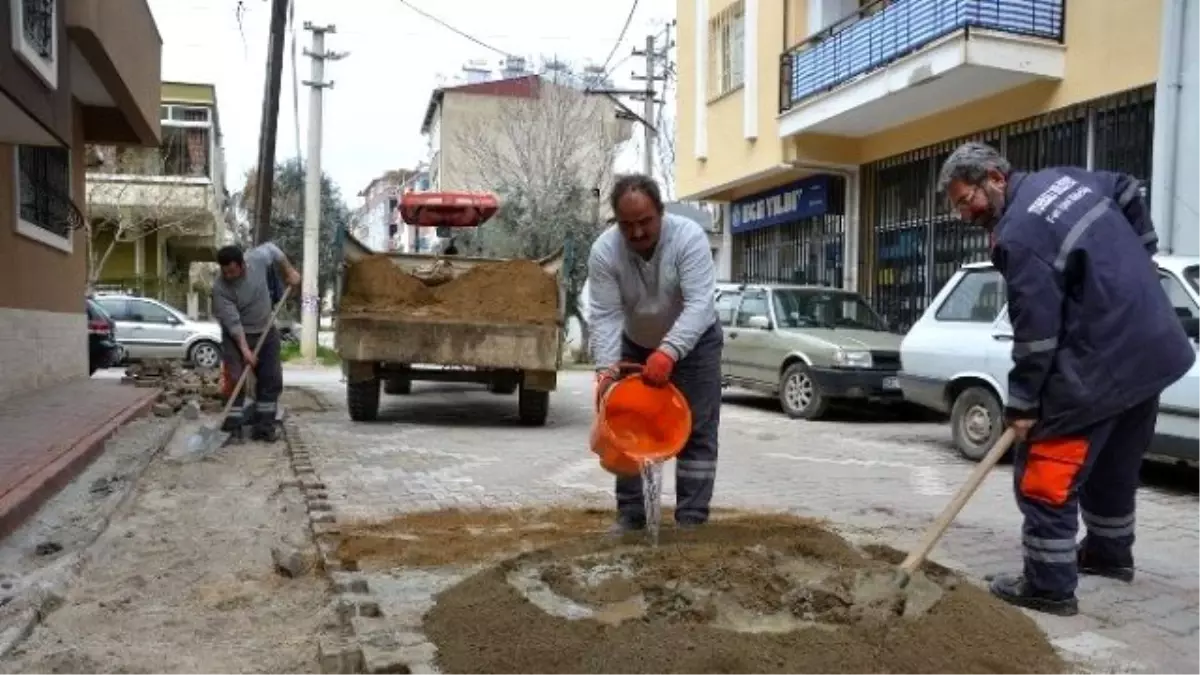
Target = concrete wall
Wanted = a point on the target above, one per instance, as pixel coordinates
(43, 323)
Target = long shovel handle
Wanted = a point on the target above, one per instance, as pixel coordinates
(938, 528)
(237, 389)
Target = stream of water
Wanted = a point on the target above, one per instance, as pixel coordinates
(652, 482)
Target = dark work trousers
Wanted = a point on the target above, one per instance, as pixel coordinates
(268, 376)
(1094, 472)
(698, 377)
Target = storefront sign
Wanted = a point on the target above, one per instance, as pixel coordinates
(795, 201)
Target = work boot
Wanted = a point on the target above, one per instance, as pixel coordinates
(627, 524)
(1016, 590)
(688, 525)
(266, 434)
(1092, 565)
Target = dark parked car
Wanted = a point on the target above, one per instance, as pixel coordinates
(103, 350)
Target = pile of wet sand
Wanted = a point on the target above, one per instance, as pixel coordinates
(744, 594)
(513, 291)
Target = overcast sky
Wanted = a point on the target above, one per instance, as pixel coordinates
(373, 114)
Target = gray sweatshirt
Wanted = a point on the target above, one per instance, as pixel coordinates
(244, 305)
(665, 302)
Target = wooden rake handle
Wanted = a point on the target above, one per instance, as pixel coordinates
(964, 494)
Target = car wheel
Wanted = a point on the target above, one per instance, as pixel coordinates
(800, 395)
(976, 422)
(205, 355)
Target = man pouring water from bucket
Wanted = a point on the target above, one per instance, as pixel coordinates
(651, 291)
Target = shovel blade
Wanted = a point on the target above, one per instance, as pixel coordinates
(206, 441)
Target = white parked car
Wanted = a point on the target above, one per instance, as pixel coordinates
(149, 329)
(956, 359)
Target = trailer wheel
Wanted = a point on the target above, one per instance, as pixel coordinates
(397, 386)
(533, 406)
(362, 398)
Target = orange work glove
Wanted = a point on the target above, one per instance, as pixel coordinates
(658, 369)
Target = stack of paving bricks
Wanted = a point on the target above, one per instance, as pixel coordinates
(196, 390)
(370, 642)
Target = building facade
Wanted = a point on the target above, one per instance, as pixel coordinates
(821, 124)
(378, 223)
(481, 132)
(158, 214)
(72, 73)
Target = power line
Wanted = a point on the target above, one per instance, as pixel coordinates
(620, 37)
(457, 31)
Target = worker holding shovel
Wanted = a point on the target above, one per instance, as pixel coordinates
(1095, 342)
(242, 303)
(651, 285)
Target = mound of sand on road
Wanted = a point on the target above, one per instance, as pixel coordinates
(745, 594)
(513, 291)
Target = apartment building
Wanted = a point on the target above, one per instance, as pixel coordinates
(486, 130)
(72, 73)
(820, 124)
(158, 214)
(377, 222)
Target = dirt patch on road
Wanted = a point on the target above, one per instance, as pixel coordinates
(466, 536)
(744, 594)
(452, 536)
(513, 291)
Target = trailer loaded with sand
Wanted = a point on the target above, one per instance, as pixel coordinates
(403, 317)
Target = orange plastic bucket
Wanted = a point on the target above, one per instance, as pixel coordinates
(637, 423)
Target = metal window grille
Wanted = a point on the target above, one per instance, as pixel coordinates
(45, 189)
(726, 33)
(913, 243)
(38, 17)
(1124, 134)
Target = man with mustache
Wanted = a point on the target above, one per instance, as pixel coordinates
(651, 289)
(1095, 342)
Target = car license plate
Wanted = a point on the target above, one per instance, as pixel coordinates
(890, 383)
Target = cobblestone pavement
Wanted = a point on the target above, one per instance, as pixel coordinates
(452, 445)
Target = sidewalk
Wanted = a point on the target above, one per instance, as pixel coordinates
(48, 436)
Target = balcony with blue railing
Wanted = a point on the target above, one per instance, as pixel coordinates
(888, 31)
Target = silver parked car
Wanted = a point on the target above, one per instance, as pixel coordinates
(149, 329)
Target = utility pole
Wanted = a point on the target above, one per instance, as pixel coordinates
(310, 301)
(648, 95)
(264, 184)
(650, 133)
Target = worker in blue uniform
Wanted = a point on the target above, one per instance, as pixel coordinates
(1095, 342)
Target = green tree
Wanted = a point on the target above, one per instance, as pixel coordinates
(287, 219)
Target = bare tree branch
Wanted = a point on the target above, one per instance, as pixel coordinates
(665, 152)
(130, 199)
(537, 151)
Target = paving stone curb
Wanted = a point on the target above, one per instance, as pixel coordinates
(369, 641)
